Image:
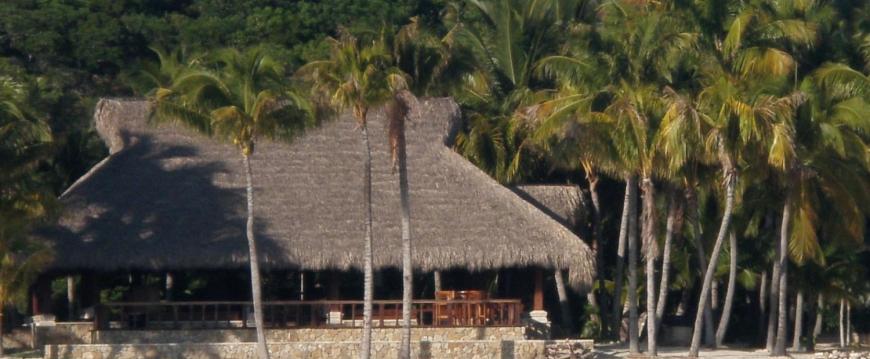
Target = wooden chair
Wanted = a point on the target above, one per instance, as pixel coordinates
(444, 313)
(474, 313)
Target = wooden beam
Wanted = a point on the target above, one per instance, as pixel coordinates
(538, 302)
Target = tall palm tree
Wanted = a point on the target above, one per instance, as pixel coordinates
(672, 226)
(237, 97)
(24, 201)
(811, 151)
(649, 44)
(359, 78)
(399, 110)
(729, 293)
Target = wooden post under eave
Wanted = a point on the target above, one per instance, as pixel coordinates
(40, 297)
(169, 285)
(34, 302)
(538, 302)
(71, 297)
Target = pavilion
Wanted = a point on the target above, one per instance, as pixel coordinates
(168, 201)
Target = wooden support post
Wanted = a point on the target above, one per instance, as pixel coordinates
(34, 302)
(436, 276)
(89, 290)
(302, 285)
(333, 286)
(40, 298)
(538, 302)
(170, 284)
(71, 297)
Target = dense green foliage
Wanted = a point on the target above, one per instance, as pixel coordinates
(70, 52)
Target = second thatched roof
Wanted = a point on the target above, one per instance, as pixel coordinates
(170, 199)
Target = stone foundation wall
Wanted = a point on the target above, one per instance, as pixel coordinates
(303, 335)
(65, 333)
(517, 349)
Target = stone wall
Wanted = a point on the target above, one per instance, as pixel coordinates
(65, 333)
(515, 349)
(304, 335)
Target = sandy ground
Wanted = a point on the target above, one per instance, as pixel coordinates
(604, 351)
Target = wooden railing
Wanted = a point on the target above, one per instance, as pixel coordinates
(305, 314)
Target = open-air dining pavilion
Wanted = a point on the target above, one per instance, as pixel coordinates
(167, 202)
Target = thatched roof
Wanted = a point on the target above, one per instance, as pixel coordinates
(562, 202)
(170, 199)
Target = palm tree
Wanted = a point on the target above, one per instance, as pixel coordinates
(812, 151)
(359, 78)
(24, 201)
(649, 43)
(238, 98)
(505, 46)
(672, 225)
(729, 293)
(399, 109)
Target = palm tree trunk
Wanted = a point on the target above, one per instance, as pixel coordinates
(564, 306)
(368, 275)
(774, 304)
(798, 321)
(666, 257)
(849, 323)
(820, 306)
(407, 269)
(762, 293)
(2, 349)
(651, 252)
(730, 184)
(762, 297)
(598, 238)
(616, 312)
(632, 270)
(262, 351)
(695, 218)
(729, 293)
(842, 332)
(782, 325)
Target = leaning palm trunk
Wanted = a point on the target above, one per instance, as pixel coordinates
(798, 321)
(782, 322)
(262, 351)
(673, 212)
(616, 312)
(368, 275)
(817, 327)
(650, 254)
(407, 269)
(632, 270)
(730, 184)
(729, 293)
(695, 218)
